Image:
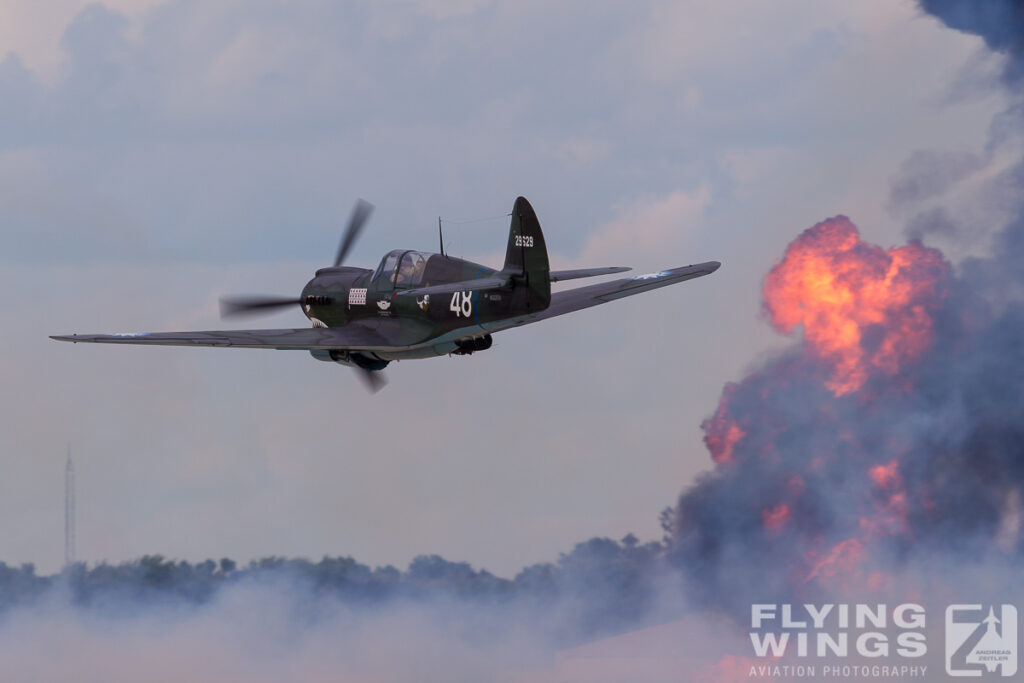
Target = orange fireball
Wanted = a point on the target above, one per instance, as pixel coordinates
(863, 309)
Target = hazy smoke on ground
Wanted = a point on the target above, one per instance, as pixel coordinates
(891, 437)
(335, 619)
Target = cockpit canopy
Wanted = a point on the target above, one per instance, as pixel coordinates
(402, 268)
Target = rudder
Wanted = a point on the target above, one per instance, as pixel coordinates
(526, 259)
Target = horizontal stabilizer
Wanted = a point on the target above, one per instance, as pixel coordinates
(557, 275)
(483, 284)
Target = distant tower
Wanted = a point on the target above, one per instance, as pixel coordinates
(69, 512)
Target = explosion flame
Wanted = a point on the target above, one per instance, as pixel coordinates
(863, 309)
(854, 447)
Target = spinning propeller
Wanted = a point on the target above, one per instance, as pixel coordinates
(249, 306)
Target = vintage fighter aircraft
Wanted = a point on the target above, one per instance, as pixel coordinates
(416, 304)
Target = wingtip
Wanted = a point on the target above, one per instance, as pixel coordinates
(63, 337)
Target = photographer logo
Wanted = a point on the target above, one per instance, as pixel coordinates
(981, 640)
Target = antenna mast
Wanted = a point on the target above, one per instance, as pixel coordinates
(69, 512)
(440, 237)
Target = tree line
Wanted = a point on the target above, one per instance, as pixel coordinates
(600, 587)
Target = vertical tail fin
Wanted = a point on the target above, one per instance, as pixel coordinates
(526, 259)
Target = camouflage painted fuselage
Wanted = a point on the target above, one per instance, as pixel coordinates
(339, 296)
(433, 323)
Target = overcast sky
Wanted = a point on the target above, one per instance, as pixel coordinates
(155, 156)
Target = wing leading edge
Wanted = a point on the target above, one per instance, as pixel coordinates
(351, 337)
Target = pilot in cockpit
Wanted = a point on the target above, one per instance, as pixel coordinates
(411, 270)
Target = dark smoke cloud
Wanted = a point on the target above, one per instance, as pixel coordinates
(823, 494)
(930, 173)
(999, 22)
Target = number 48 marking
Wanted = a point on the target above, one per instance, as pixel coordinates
(461, 304)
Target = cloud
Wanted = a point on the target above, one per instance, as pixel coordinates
(651, 225)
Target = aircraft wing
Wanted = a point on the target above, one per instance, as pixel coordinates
(350, 337)
(384, 336)
(594, 295)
